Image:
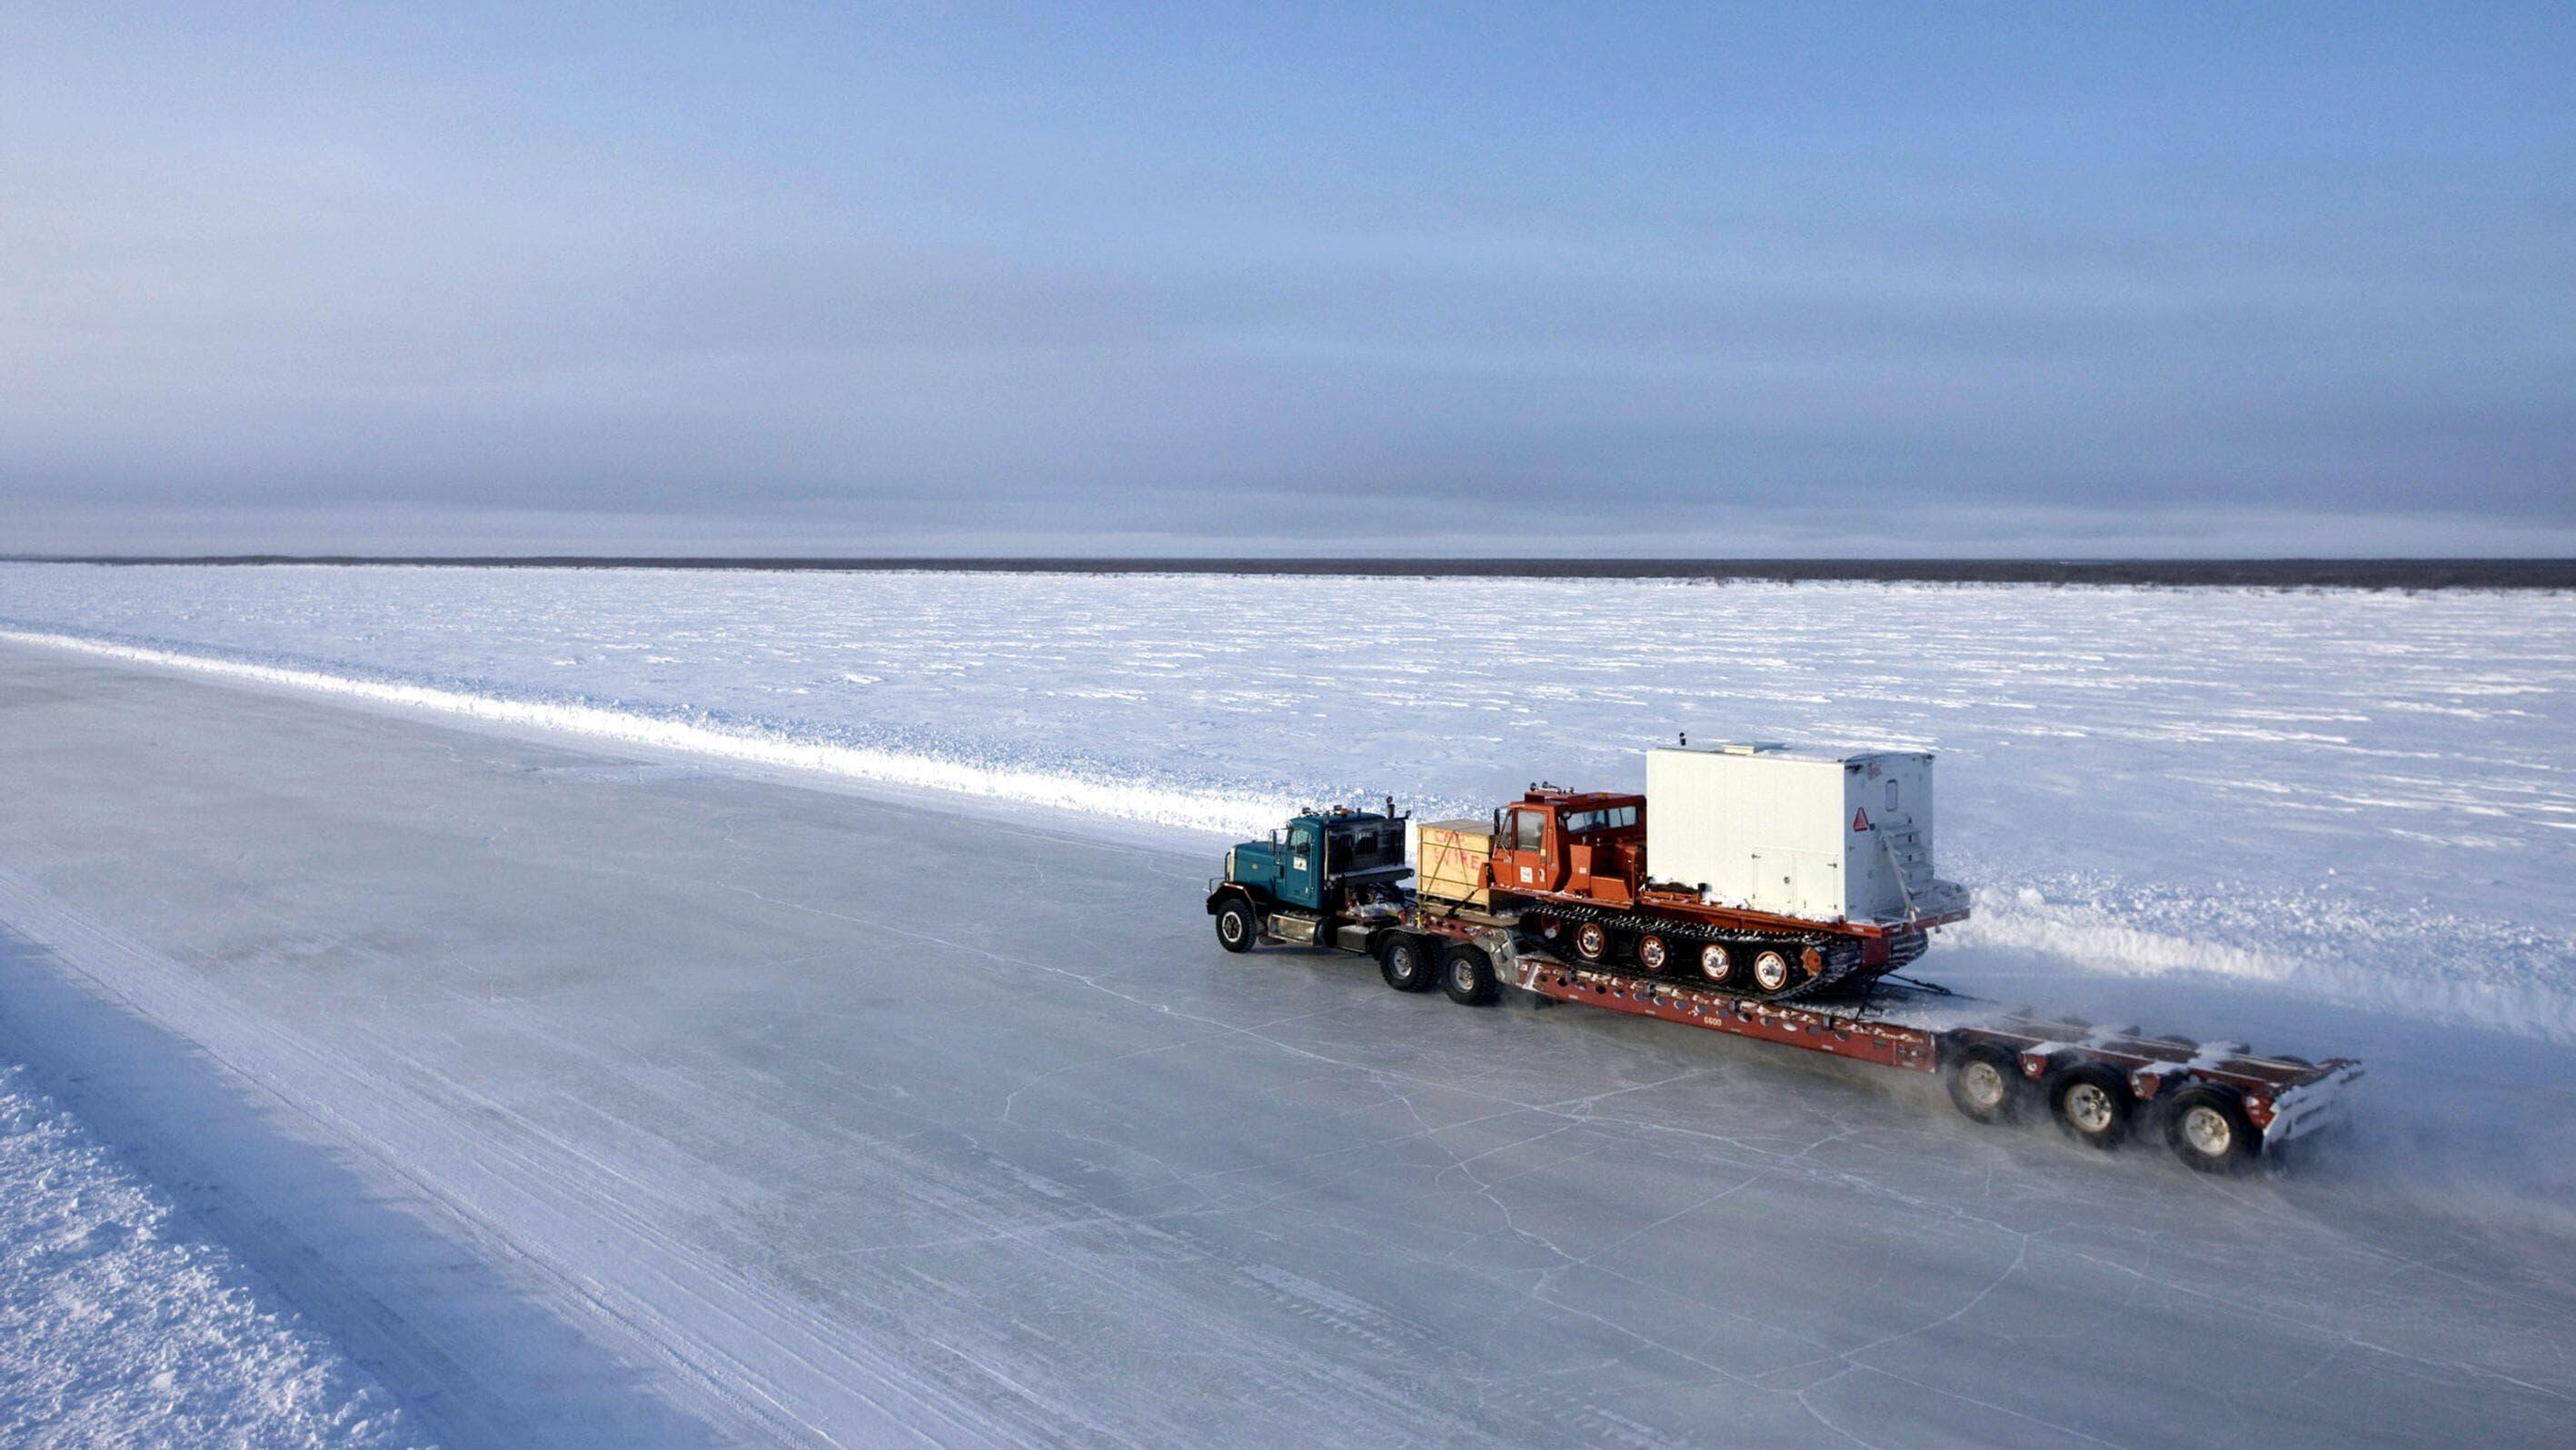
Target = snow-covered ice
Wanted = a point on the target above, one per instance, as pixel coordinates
(121, 1325)
(2356, 797)
(589, 1088)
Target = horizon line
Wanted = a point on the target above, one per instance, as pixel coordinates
(2286, 571)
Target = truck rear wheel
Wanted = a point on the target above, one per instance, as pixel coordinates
(1468, 977)
(1984, 1083)
(2207, 1128)
(2092, 1104)
(1652, 954)
(1404, 964)
(1236, 926)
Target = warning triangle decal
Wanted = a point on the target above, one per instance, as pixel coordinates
(1860, 819)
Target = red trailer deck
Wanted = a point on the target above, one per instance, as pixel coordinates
(2219, 1106)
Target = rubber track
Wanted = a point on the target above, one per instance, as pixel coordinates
(1842, 954)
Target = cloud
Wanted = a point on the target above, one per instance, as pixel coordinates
(342, 286)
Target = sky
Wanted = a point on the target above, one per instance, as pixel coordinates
(1592, 279)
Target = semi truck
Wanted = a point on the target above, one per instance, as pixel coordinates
(1771, 894)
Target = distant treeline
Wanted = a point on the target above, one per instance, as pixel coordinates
(2237, 573)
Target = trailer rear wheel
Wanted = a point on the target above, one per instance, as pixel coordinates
(2207, 1128)
(1236, 926)
(1592, 942)
(1984, 1083)
(1468, 977)
(2092, 1104)
(1652, 954)
(1404, 964)
(1772, 970)
(1715, 964)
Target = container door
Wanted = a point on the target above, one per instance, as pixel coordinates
(1775, 881)
(1820, 886)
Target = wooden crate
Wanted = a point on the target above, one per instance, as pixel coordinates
(1449, 860)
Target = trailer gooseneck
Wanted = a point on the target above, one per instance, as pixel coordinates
(1552, 899)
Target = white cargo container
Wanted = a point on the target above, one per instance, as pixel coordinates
(1800, 833)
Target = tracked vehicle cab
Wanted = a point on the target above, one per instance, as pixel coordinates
(1590, 844)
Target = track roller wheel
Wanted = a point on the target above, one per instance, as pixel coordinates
(1716, 963)
(1236, 926)
(1468, 977)
(1404, 963)
(1653, 953)
(1984, 1082)
(2207, 1128)
(1773, 970)
(2092, 1104)
(1591, 942)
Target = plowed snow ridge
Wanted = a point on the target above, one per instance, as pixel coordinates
(1190, 810)
(120, 1326)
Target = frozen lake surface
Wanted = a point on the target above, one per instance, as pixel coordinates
(589, 1094)
(2356, 798)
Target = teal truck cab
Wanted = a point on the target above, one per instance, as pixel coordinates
(1327, 872)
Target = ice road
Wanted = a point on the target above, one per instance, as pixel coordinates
(590, 1097)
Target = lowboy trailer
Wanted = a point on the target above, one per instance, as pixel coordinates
(1332, 881)
(2219, 1106)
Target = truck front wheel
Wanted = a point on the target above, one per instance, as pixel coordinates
(1404, 964)
(1236, 926)
(1468, 977)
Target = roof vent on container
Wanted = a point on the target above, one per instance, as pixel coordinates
(1751, 747)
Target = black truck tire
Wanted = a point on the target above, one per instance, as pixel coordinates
(1985, 1083)
(1237, 926)
(2207, 1128)
(1468, 977)
(1404, 963)
(2092, 1104)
